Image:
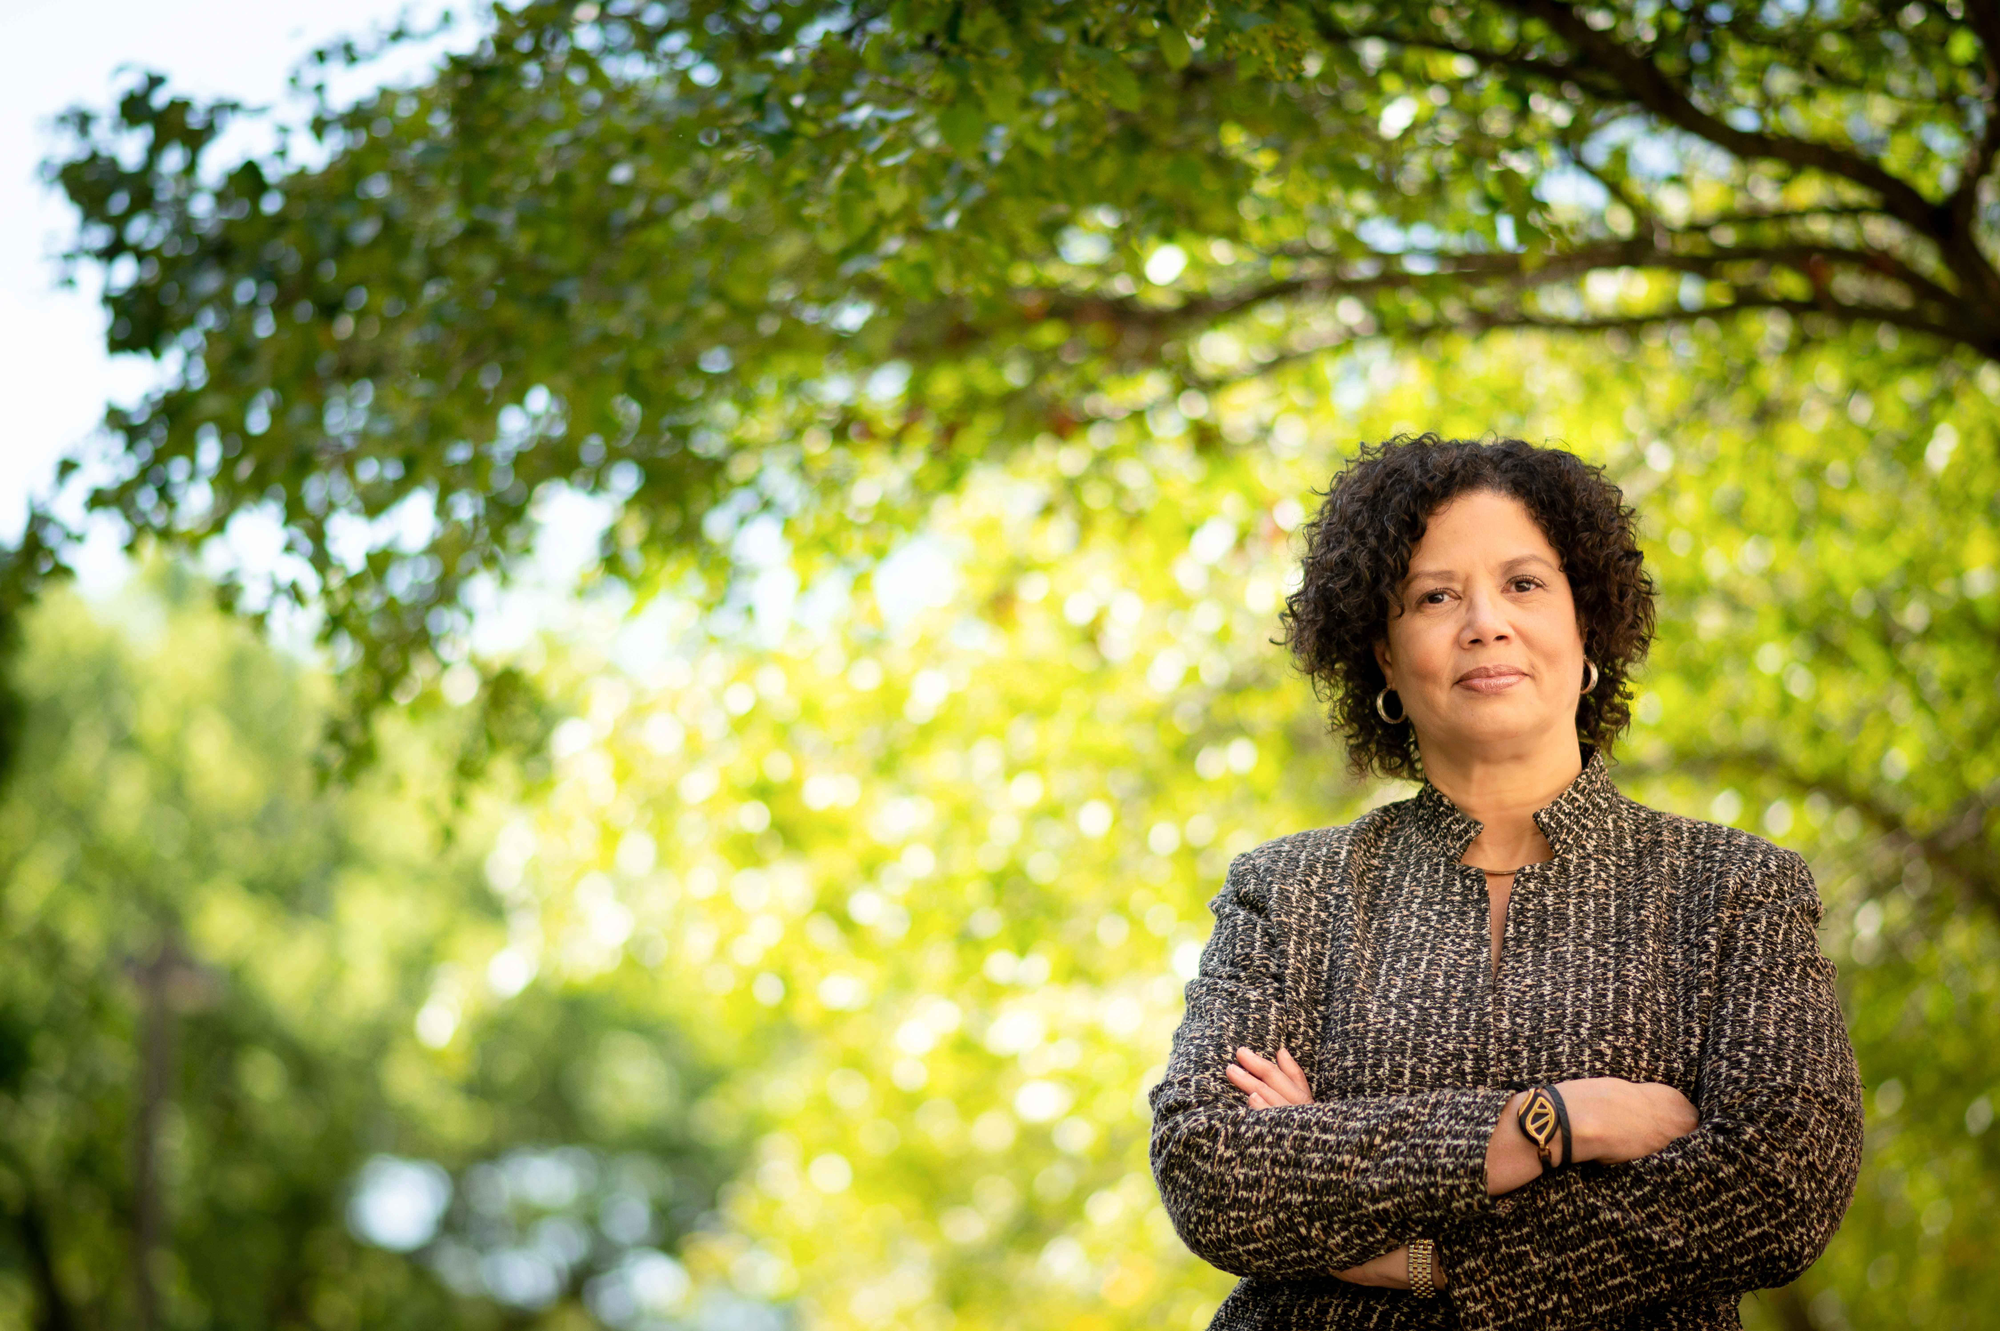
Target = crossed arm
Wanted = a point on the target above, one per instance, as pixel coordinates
(1268, 1084)
(1285, 1188)
(1611, 1120)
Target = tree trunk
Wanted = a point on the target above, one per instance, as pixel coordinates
(155, 1068)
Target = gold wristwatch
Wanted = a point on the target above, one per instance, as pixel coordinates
(1423, 1268)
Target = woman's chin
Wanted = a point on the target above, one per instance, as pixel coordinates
(1498, 719)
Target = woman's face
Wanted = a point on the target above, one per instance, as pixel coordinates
(1483, 647)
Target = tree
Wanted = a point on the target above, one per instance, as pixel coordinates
(253, 1047)
(631, 248)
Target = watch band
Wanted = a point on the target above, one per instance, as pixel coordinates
(1423, 1268)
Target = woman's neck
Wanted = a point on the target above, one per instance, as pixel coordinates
(1504, 792)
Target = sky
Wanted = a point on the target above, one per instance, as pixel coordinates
(53, 367)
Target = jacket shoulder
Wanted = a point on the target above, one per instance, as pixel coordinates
(1730, 863)
(1718, 843)
(1314, 855)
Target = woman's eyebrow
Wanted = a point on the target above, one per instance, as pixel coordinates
(1419, 574)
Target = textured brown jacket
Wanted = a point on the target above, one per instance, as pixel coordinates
(1653, 947)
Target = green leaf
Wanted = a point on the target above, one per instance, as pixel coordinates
(891, 193)
(963, 125)
(1115, 79)
(1174, 47)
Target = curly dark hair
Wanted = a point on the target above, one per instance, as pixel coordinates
(1358, 551)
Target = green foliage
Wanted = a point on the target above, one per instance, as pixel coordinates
(228, 988)
(630, 248)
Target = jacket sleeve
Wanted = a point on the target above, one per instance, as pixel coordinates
(1298, 1190)
(1747, 1201)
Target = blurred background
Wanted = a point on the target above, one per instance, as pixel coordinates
(636, 633)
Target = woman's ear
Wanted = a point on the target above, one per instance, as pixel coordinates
(1382, 656)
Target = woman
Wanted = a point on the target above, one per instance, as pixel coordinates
(1515, 1051)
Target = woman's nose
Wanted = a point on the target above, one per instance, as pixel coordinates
(1484, 620)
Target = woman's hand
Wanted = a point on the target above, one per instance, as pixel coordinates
(1270, 1084)
(1613, 1120)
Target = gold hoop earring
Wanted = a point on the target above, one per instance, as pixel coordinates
(1383, 712)
(1591, 687)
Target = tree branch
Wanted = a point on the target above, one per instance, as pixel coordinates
(1964, 201)
(1510, 272)
(1984, 18)
(1555, 72)
(1947, 849)
(1803, 255)
(1645, 83)
(1781, 215)
(1492, 321)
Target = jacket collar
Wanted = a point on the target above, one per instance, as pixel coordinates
(1571, 821)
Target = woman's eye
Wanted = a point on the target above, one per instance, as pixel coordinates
(1518, 582)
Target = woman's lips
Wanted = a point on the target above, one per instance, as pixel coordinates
(1492, 683)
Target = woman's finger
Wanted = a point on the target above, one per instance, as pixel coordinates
(1254, 1088)
(1244, 1081)
(1267, 1078)
(1285, 1087)
(1263, 1069)
(1297, 1074)
(1240, 1077)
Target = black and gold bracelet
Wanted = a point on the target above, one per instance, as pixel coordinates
(1543, 1116)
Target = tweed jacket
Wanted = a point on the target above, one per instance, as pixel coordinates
(1653, 947)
